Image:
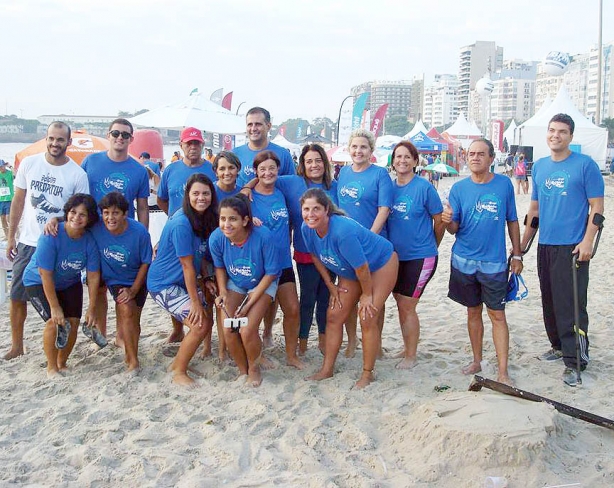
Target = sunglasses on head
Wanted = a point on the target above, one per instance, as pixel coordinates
(116, 134)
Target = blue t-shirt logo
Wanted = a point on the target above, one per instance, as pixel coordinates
(487, 207)
(329, 258)
(114, 182)
(279, 213)
(116, 253)
(73, 263)
(401, 208)
(352, 192)
(556, 184)
(242, 267)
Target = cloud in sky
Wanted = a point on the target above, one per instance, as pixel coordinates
(297, 58)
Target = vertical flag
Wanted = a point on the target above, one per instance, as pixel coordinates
(194, 91)
(227, 101)
(378, 120)
(227, 142)
(216, 96)
(282, 131)
(300, 129)
(359, 106)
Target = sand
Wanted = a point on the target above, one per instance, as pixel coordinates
(101, 427)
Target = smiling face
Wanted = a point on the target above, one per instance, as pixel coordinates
(232, 224)
(314, 166)
(257, 129)
(200, 197)
(315, 215)
(559, 137)
(119, 144)
(114, 219)
(267, 172)
(403, 163)
(226, 173)
(360, 150)
(77, 218)
(57, 142)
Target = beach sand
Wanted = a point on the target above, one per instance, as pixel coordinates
(101, 427)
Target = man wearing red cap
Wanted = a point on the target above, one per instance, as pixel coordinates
(172, 184)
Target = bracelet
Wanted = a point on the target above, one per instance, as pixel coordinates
(517, 258)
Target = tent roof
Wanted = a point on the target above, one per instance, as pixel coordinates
(462, 128)
(419, 127)
(283, 142)
(561, 104)
(422, 141)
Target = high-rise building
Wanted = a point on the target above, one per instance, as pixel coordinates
(440, 106)
(397, 94)
(512, 98)
(575, 79)
(607, 82)
(416, 98)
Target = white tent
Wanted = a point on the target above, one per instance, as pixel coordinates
(593, 140)
(283, 142)
(419, 127)
(510, 134)
(387, 141)
(462, 128)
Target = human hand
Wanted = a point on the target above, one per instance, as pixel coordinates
(51, 227)
(366, 309)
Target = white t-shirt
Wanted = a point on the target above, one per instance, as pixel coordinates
(48, 188)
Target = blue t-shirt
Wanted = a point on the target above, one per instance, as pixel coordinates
(122, 255)
(65, 256)
(245, 265)
(347, 246)
(361, 194)
(177, 240)
(562, 190)
(272, 210)
(221, 194)
(293, 187)
(127, 177)
(246, 156)
(410, 224)
(174, 178)
(155, 167)
(482, 211)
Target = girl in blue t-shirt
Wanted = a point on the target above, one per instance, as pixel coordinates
(226, 166)
(367, 267)
(415, 230)
(53, 280)
(247, 271)
(172, 279)
(125, 255)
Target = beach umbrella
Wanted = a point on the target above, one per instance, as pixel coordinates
(441, 168)
(339, 154)
(83, 144)
(195, 111)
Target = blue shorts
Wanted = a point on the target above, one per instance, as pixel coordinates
(5, 208)
(478, 282)
(176, 301)
(270, 291)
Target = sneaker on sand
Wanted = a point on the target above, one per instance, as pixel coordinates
(551, 355)
(569, 377)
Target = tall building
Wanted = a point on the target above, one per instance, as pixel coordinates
(416, 98)
(575, 79)
(397, 94)
(512, 98)
(476, 60)
(440, 106)
(607, 83)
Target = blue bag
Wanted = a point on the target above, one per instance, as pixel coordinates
(516, 289)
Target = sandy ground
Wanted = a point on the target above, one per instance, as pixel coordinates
(101, 427)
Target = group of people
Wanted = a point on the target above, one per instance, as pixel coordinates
(235, 226)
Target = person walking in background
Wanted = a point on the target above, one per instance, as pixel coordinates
(153, 172)
(6, 195)
(520, 175)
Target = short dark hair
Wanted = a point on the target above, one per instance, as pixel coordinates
(114, 199)
(240, 204)
(323, 199)
(491, 148)
(145, 155)
(262, 156)
(300, 170)
(412, 151)
(202, 225)
(564, 119)
(122, 122)
(260, 110)
(90, 205)
(58, 124)
(228, 156)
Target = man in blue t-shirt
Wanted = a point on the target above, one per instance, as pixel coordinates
(479, 209)
(567, 193)
(258, 122)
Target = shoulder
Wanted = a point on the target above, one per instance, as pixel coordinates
(280, 151)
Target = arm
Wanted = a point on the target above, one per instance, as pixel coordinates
(222, 279)
(151, 173)
(446, 219)
(365, 305)
(128, 293)
(529, 231)
(196, 316)
(57, 314)
(19, 199)
(93, 283)
(332, 288)
(439, 228)
(163, 204)
(585, 248)
(142, 211)
(513, 230)
(380, 219)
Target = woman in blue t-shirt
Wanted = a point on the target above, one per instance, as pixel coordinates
(247, 271)
(226, 166)
(367, 267)
(172, 279)
(125, 255)
(415, 230)
(53, 280)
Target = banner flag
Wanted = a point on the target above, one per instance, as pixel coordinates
(378, 120)
(227, 101)
(359, 106)
(216, 96)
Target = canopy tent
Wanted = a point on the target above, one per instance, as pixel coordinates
(436, 136)
(593, 140)
(283, 142)
(419, 127)
(195, 111)
(425, 143)
(511, 133)
(387, 142)
(461, 128)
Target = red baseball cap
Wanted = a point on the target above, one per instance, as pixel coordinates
(191, 134)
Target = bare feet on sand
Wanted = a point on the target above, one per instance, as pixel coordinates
(13, 353)
(407, 363)
(295, 362)
(506, 380)
(171, 339)
(350, 350)
(472, 368)
(182, 379)
(367, 377)
(266, 363)
(205, 352)
(254, 377)
(267, 341)
(320, 375)
(54, 374)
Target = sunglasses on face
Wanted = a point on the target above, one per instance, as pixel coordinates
(116, 134)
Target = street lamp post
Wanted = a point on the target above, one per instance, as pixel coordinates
(339, 118)
(599, 64)
(237, 112)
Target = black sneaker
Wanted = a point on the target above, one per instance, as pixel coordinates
(551, 355)
(569, 377)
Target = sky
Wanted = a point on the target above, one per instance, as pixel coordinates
(296, 58)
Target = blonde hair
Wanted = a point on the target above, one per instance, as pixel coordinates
(363, 133)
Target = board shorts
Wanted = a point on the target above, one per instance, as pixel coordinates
(176, 301)
(414, 275)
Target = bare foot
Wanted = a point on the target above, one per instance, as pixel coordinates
(206, 352)
(134, 366)
(267, 341)
(175, 337)
(266, 363)
(472, 368)
(407, 363)
(350, 350)
(320, 375)
(506, 380)
(254, 377)
(54, 374)
(399, 355)
(366, 379)
(13, 353)
(183, 379)
(295, 363)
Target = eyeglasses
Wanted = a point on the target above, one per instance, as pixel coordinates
(116, 134)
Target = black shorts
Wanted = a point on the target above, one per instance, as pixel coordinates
(287, 276)
(140, 297)
(70, 299)
(472, 290)
(24, 255)
(414, 275)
